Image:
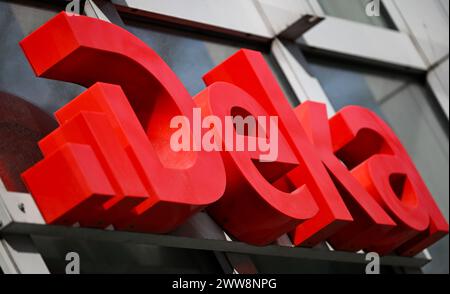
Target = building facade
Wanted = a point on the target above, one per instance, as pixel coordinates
(390, 56)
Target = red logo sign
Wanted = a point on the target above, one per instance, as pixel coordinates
(347, 180)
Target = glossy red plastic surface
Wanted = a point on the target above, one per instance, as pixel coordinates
(249, 71)
(378, 160)
(346, 180)
(158, 187)
(254, 208)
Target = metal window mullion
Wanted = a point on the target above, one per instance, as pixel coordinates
(304, 85)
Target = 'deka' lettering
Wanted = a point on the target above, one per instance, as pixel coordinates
(346, 179)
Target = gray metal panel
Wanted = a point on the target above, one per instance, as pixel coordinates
(438, 79)
(18, 255)
(170, 241)
(360, 41)
(427, 22)
(240, 17)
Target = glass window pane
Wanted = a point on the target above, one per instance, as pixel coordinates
(18, 20)
(191, 56)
